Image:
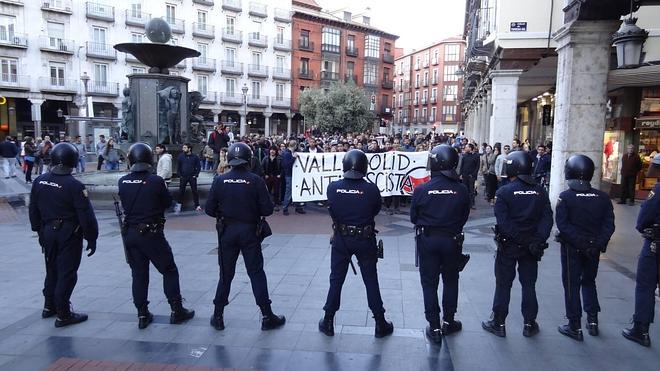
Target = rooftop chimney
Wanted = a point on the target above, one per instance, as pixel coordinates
(366, 20)
(348, 17)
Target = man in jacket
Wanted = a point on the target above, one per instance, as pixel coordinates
(188, 169)
(272, 166)
(8, 153)
(288, 158)
(218, 140)
(631, 165)
(164, 167)
(100, 148)
(468, 170)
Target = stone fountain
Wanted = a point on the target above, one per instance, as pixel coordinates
(156, 109)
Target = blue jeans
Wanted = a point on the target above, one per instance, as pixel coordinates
(81, 164)
(111, 165)
(287, 192)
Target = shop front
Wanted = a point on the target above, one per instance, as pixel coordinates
(649, 142)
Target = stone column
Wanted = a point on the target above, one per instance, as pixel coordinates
(584, 49)
(267, 116)
(477, 120)
(36, 116)
(289, 116)
(505, 100)
(243, 129)
(216, 115)
(488, 112)
(483, 131)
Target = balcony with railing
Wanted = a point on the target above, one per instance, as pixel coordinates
(425, 64)
(417, 85)
(232, 35)
(204, 2)
(283, 74)
(417, 67)
(10, 81)
(137, 19)
(259, 102)
(415, 102)
(425, 101)
(435, 61)
(232, 5)
(103, 88)
(57, 85)
(177, 25)
(425, 82)
(435, 81)
(257, 70)
(100, 11)
(231, 68)
(203, 64)
(351, 77)
(448, 117)
(370, 82)
(257, 39)
(282, 15)
(388, 84)
(57, 6)
(306, 45)
(434, 99)
(13, 40)
(101, 51)
(258, 10)
(280, 102)
(204, 30)
(209, 97)
(306, 74)
(388, 58)
(330, 48)
(231, 99)
(449, 97)
(56, 45)
(282, 45)
(329, 76)
(352, 51)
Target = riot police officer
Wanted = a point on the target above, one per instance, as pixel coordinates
(648, 265)
(353, 204)
(524, 223)
(585, 219)
(239, 200)
(62, 215)
(144, 198)
(439, 209)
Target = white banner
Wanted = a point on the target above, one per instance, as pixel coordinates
(395, 173)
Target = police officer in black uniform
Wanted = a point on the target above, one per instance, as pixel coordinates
(524, 223)
(239, 200)
(585, 219)
(439, 209)
(144, 198)
(354, 203)
(648, 265)
(60, 212)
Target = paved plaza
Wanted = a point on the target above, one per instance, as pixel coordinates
(298, 265)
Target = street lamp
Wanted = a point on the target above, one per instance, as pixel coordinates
(59, 112)
(244, 89)
(629, 40)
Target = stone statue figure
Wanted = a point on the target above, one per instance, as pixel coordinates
(170, 121)
(197, 130)
(127, 127)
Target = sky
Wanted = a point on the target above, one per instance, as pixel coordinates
(418, 24)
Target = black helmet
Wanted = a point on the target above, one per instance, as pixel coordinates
(64, 158)
(239, 154)
(654, 168)
(519, 164)
(140, 157)
(444, 159)
(578, 171)
(355, 164)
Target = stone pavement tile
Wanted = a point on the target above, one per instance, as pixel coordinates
(181, 354)
(238, 336)
(285, 301)
(19, 343)
(6, 359)
(284, 338)
(352, 317)
(223, 356)
(201, 333)
(83, 347)
(271, 359)
(89, 328)
(137, 351)
(303, 315)
(326, 361)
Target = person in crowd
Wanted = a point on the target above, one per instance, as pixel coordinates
(164, 166)
(82, 152)
(111, 156)
(488, 160)
(207, 157)
(44, 155)
(288, 157)
(272, 166)
(30, 153)
(223, 166)
(218, 140)
(542, 165)
(631, 164)
(8, 153)
(500, 168)
(469, 169)
(100, 149)
(188, 169)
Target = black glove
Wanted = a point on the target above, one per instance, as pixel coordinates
(593, 251)
(91, 247)
(536, 249)
(42, 241)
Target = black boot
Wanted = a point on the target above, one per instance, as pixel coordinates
(572, 330)
(68, 317)
(530, 328)
(144, 317)
(495, 325)
(49, 309)
(592, 324)
(434, 331)
(450, 325)
(270, 320)
(383, 327)
(639, 333)
(179, 313)
(326, 324)
(217, 320)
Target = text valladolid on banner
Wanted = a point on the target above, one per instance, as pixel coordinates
(395, 173)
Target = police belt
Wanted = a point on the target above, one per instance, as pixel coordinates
(366, 231)
(142, 228)
(652, 233)
(231, 221)
(56, 224)
(432, 231)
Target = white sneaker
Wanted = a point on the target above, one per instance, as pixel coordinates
(198, 208)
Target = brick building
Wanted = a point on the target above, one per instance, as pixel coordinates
(329, 48)
(428, 88)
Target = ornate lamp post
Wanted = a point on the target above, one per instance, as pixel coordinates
(244, 89)
(629, 41)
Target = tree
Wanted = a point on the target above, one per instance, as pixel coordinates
(343, 108)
